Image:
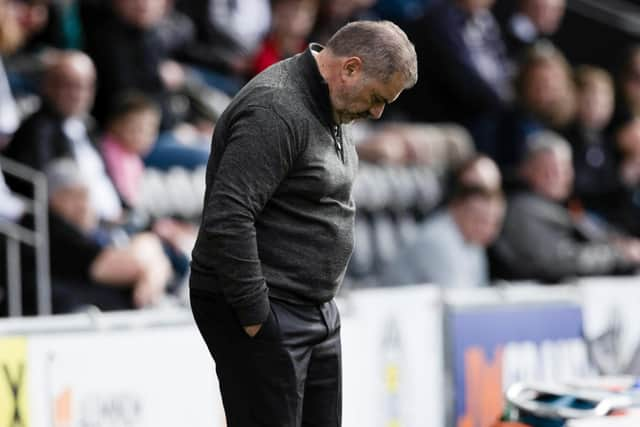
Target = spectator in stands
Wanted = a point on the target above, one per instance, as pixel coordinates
(59, 129)
(624, 207)
(442, 147)
(532, 21)
(291, 24)
(628, 105)
(465, 74)
(546, 99)
(11, 207)
(594, 156)
(32, 15)
(131, 130)
(333, 14)
(87, 266)
(136, 58)
(541, 240)
(449, 249)
(10, 39)
(64, 28)
(139, 60)
(232, 32)
(27, 65)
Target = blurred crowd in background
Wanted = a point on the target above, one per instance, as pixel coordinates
(516, 156)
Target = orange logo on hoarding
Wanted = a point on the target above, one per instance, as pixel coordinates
(483, 389)
(62, 411)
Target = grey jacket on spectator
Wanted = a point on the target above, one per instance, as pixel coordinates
(279, 214)
(540, 241)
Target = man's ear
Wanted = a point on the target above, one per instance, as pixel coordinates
(351, 67)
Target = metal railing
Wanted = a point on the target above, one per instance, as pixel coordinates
(38, 238)
(622, 14)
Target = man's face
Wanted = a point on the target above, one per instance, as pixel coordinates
(357, 96)
(71, 88)
(481, 219)
(596, 104)
(549, 92)
(137, 130)
(545, 14)
(32, 16)
(552, 174)
(73, 205)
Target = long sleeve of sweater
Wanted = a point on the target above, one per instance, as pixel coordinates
(259, 154)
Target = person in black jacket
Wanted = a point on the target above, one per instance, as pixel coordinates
(87, 266)
(277, 226)
(141, 36)
(545, 241)
(532, 21)
(465, 71)
(59, 129)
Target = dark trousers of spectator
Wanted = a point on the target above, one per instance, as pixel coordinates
(288, 375)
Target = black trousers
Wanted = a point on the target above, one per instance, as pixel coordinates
(288, 375)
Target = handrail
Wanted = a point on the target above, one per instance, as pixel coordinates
(38, 238)
(619, 13)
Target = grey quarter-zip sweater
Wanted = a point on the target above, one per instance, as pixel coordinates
(278, 213)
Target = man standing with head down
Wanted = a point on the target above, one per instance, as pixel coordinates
(277, 227)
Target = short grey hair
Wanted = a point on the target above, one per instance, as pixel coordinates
(381, 45)
(543, 141)
(63, 173)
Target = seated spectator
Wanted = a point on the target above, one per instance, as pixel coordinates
(541, 240)
(10, 39)
(624, 208)
(133, 29)
(129, 29)
(465, 73)
(27, 65)
(58, 129)
(231, 32)
(546, 99)
(64, 29)
(628, 100)
(449, 247)
(441, 147)
(532, 21)
(594, 155)
(291, 24)
(88, 265)
(131, 130)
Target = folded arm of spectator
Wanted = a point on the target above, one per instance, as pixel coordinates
(142, 263)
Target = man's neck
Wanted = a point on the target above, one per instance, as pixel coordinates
(325, 62)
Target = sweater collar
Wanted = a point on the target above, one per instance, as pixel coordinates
(316, 85)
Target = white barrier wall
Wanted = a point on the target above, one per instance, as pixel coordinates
(392, 358)
(151, 369)
(146, 377)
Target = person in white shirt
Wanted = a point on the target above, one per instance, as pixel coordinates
(58, 130)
